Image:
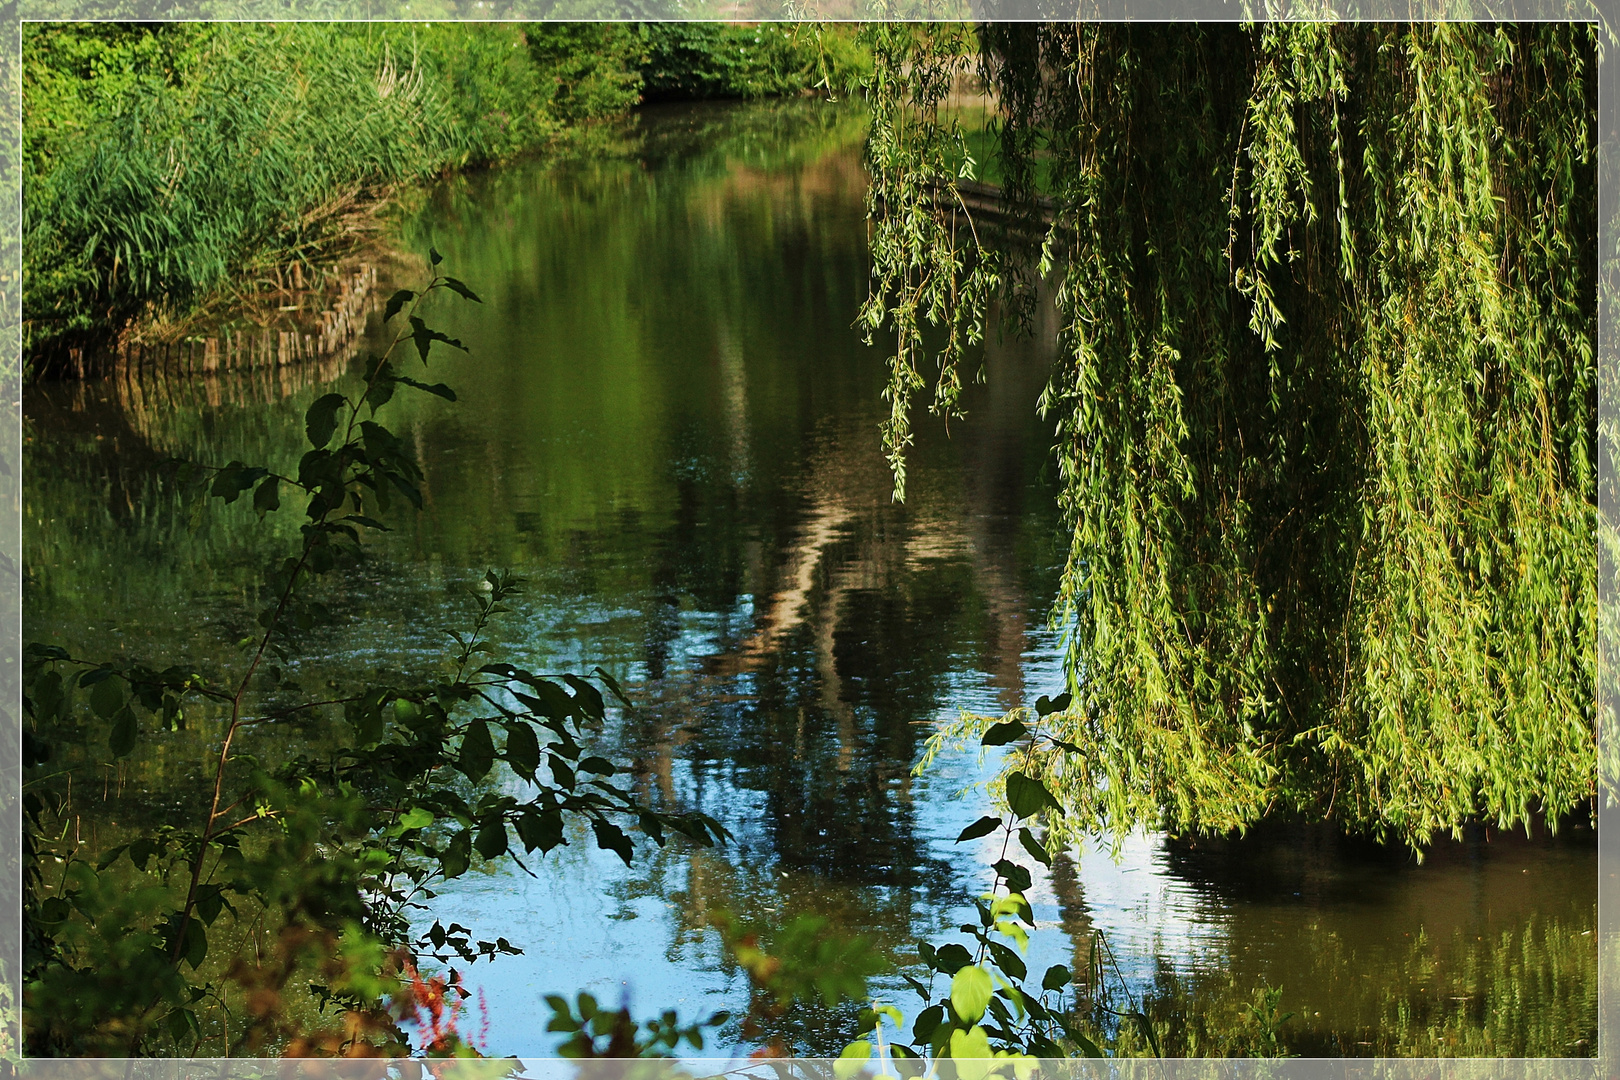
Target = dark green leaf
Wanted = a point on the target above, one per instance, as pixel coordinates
(107, 697)
(457, 855)
(320, 422)
(233, 479)
(436, 389)
(396, 302)
(477, 751)
(141, 852)
(588, 697)
(424, 337)
(613, 686)
(610, 837)
(1004, 733)
(210, 902)
(1145, 1026)
(552, 700)
(1057, 977)
(491, 842)
(1027, 796)
(1010, 963)
(1036, 849)
(382, 387)
(922, 1029)
(47, 697)
(983, 827)
(268, 496)
(522, 749)
(461, 289)
(122, 739)
(542, 829)
(182, 1023)
(1016, 877)
(1046, 706)
(35, 751)
(952, 958)
(1087, 1047)
(195, 947)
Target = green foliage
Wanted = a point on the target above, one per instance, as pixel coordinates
(163, 163)
(327, 854)
(995, 1015)
(801, 961)
(991, 1009)
(595, 1032)
(1325, 404)
(927, 265)
(1267, 1018)
(592, 70)
(76, 75)
(696, 60)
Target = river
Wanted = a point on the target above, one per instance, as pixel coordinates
(668, 425)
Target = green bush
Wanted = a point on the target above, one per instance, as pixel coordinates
(77, 73)
(587, 70)
(692, 61)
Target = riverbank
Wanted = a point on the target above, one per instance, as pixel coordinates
(175, 167)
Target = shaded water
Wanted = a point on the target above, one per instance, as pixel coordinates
(668, 425)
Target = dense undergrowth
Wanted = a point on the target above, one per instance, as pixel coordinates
(164, 160)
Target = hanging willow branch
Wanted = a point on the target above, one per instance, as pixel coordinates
(1325, 401)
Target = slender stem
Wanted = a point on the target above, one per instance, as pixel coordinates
(225, 751)
(237, 721)
(250, 819)
(1006, 841)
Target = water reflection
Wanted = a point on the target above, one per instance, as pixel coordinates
(667, 423)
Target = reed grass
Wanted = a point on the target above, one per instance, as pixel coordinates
(259, 154)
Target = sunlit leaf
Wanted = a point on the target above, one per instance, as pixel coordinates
(970, 992)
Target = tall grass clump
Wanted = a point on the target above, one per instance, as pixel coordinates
(255, 148)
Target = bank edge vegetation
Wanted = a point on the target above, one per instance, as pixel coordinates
(168, 161)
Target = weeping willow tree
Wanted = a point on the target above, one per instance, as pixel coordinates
(1325, 403)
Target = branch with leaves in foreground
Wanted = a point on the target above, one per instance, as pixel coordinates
(190, 937)
(990, 1019)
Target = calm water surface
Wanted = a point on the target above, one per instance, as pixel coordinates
(669, 427)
